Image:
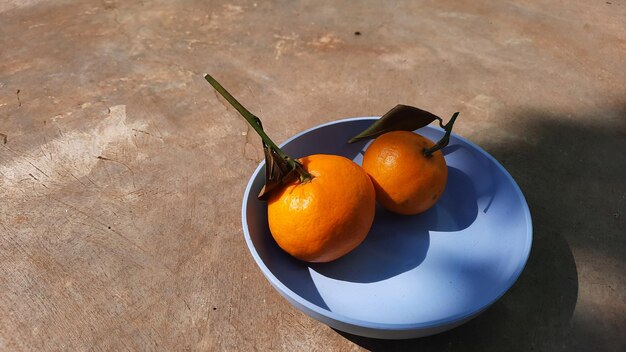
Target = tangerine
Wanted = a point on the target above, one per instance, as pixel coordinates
(406, 180)
(325, 218)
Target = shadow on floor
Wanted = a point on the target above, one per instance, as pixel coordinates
(571, 175)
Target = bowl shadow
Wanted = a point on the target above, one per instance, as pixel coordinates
(571, 173)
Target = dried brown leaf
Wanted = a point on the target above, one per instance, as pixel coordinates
(400, 118)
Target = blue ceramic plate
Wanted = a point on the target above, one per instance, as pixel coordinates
(413, 275)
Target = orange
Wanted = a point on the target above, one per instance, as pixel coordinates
(325, 218)
(406, 181)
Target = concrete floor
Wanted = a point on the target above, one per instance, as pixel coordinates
(122, 173)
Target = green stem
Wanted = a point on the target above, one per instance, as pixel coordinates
(446, 137)
(252, 120)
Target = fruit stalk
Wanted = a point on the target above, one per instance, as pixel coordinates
(446, 137)
(256, 125)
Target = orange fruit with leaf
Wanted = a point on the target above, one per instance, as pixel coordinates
(408, 170)
(406, 181)
(320, 207)
(326, 217)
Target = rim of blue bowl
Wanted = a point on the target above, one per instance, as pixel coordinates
(312, 308)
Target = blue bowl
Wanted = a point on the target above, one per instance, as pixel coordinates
(415, 275)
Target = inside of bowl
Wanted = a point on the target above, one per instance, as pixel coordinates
(444, 264)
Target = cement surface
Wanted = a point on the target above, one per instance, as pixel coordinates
(122, 172)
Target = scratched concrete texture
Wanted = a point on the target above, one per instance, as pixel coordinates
(122, 172)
